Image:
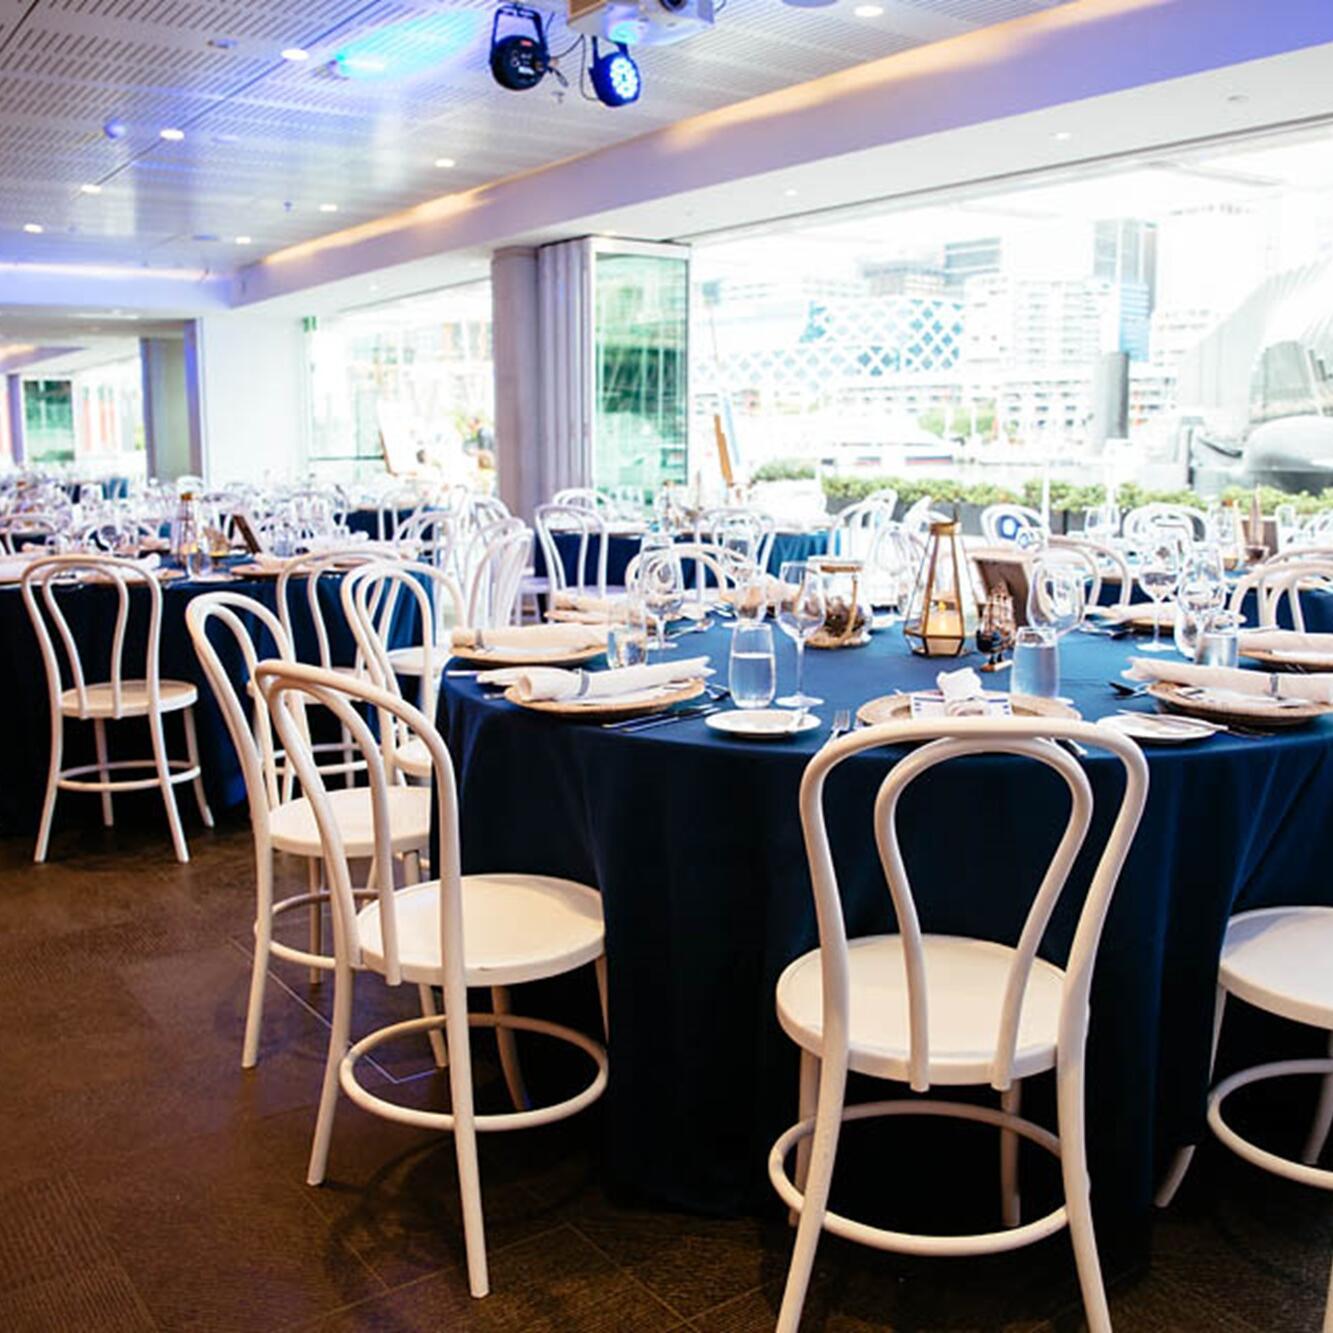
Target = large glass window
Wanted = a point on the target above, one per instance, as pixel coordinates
(1167, 326)
(48, 420)
(641, 333)
(414, 377)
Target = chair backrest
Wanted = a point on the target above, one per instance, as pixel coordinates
(1139, 522)
(493, 587)
(586, 497)
(946, 740)
(251, 738)
(433, 532)
(585, 523)
(16, 530)
(1081, 557)
(1003, 523)
(1108, 561)
(726, 566)
(288, 688)
(373, 596)
(918, 518)
(1284, 579)
(749, 532)
(312, 569)
(45, 574)
(856, 529)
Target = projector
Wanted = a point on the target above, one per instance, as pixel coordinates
(641, 22)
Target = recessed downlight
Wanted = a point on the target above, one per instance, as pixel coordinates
(294, 53)
(33, 228)
(242, 240)
(791, 192)
(171, 135)
(868, 11)
(445, 162)
(1062, 136)
(90, 188)
(328, 208)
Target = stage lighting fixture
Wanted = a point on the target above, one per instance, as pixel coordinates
(615, 77)
(520, 60)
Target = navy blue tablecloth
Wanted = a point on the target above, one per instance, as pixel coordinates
(695, 844)
(621, 548)
(91, 612)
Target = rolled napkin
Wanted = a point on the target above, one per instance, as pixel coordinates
(573, 638)
(577, 608)
(551, 683)
(1292, 644)
(963, 693)
(1253, 687)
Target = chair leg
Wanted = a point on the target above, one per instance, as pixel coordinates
(599, 967)
(349, 777)
(1323, 1117)
(504, 1038)
(254, 1012)
(1328, 1306)
(315, 938)
(343, 980)
(1078, 1195)
(103, 772)
(1180, 1163)
(192, 754)
(168, 791)
(1011, 1100)
(818, 1182)
(807, 1099)
(428, 1010)
(52, 778)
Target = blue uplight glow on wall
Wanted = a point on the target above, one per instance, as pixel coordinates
(403, 50)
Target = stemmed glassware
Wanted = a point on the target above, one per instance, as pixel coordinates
(1201, 592)
(1057, 594)
(801, 608)
(661, 584)
(1159, 573)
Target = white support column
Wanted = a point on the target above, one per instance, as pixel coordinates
(565, 312)
(516, 350)
(170, 408)
(14, 412)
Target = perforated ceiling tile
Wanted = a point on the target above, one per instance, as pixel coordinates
(268, 140)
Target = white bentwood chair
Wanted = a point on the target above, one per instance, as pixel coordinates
(288, 825)
(113, 699)
(1005, 524)
(454, 932)
(925, 1009)
(585, 523)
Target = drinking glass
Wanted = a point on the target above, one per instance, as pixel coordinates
(1056, 596)
(1036, 663)
(627, 640)
(1099, 522)
(661, 584)
(1201, 592)
(1159, 572)
(751, 597)
(754, 673)
(1288, 526)
(800, 616)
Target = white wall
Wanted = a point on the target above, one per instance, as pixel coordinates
(252, 389)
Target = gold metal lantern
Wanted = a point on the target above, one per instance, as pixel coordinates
(942, 614)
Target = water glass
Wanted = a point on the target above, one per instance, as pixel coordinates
(1219, 644)
(1036, 668)
(627, 640)
(754, 674)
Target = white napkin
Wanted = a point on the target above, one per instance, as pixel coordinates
(576, 608)
(963, 693)
(575, 638)
(1292, 644)
(1252, 686)
(539, 683)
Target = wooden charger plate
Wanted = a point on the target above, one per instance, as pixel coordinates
(609, 709)
(1315, 662)
(509, 657)
(1296, 714)
(898, 708)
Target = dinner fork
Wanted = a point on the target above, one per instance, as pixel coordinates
(842, 724)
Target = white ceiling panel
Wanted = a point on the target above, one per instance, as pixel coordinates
(268, 141)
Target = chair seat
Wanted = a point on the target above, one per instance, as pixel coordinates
(966, 980)
(516, 928)
(1280, 959)
(172, 696)
(412, 661)
(292, 825)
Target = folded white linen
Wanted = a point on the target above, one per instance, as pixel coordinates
(963, 693)
(551, 683)
(1293, 644)
(1253, 686)
(574, 637)
(591, 610)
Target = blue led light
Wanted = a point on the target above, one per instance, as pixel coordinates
(615, 77)
(412, 47)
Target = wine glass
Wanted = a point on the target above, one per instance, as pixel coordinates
(1056, 596)
(1159, 572)
(800, 616)
(661, 584)
(1201, 592)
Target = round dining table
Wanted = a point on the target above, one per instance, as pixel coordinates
(694, 840)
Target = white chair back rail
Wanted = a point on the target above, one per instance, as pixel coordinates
(434, 533)
(857, 529)
(726, 566)
(1106, 560)
(18, 529)
(1003, 523)
(590, 528)
(311, 570)
(493, 586)
(945, 741)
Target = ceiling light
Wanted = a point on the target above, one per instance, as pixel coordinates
(791, 192)
(519, 60)
(445, 162)
(615, 77)
(171, 136)
(90, 188)
(242, 240)
(1062, 136)
(33, 228)
(328, 208)
(868, 11)
(294, 53)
